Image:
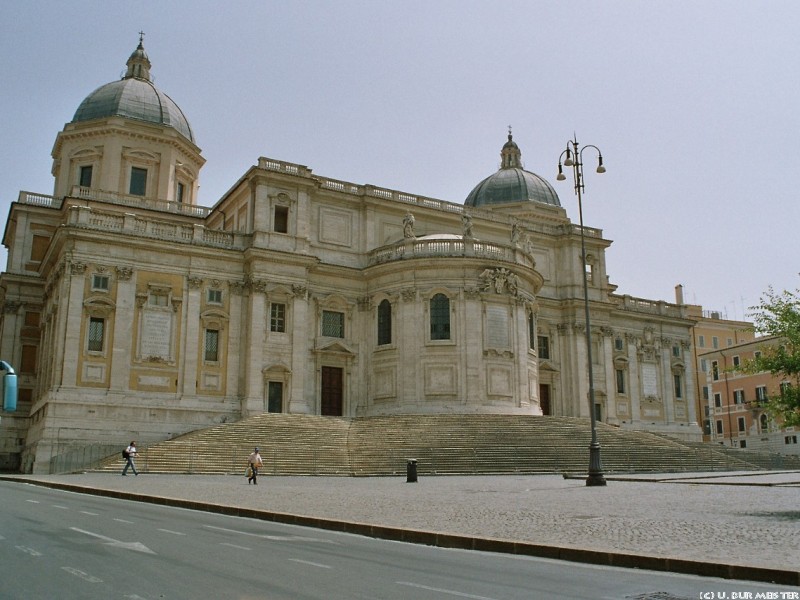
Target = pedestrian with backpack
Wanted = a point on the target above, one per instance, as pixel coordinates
(129, 454)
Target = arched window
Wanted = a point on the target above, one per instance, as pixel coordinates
(440, 317)
(384, 323)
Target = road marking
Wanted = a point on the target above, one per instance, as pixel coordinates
(30, 551)
(32, 501)
(124, 521)
(235, 546)
(137, 546)
(308, 562)
(272, 538)
(172, 532)
(82, 575)
(61, 507)
(91, 514)
(443, 591)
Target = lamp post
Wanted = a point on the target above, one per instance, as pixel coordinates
(573, 157)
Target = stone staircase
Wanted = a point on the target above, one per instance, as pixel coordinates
(442, 444)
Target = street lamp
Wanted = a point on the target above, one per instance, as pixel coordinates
(573, 157)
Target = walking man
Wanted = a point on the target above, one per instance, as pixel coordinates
(129, 455)
(255, 463)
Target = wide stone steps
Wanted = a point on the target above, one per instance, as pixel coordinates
(441, 444)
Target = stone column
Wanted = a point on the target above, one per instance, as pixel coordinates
(233, 386)
(191, 337)
(302, 393)
(72, 324)
(124, 318)
(254, 378)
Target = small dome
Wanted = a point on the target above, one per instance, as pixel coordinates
(512, 183)
(134, 97)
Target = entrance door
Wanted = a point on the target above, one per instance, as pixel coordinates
(332, 391)
(544, 398)
(275, 397)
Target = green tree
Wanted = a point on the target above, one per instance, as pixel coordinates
(778, 314)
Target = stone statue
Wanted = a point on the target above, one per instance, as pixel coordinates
(408, 226)
(466, 221)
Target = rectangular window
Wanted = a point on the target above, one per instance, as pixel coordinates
(85, 179)
(736, 361)
(214, 296)
(719, 427)
(715, 342)
(100, 282)
(738, 396)
(332, 323)
(717, 399)
(701, 341)
(676, 351)
(761, 393)
(96, 334)
(28, 359)
(277, 317)
(179, 193)
(543, 342)
(158, 299)
(757, 354)
(211, 345)
(705, 393)
(729, 341)
(678, 381)
(704, 365)
(714, 370)
(138, 181)
(790, 439)
(742, 425)
(619, 344)
(281, 219)
(620, 381)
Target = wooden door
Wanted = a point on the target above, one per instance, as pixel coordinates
(332, 391)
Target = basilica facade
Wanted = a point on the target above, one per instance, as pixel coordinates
(133, 312)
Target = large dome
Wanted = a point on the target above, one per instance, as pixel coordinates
(512, 183)
(134, 97)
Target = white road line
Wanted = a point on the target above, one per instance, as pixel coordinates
(273, 538)
(124, 521)
(170, 531)
(235, 546)
(86, 512)
(61, 507)
(82, 575)
(308, 562)
(27, 550)
(443, 591)
(32, 501)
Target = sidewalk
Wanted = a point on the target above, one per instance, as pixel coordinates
(732, 525)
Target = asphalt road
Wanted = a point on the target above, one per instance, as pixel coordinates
(62, 545)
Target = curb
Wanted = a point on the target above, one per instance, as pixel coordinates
(456, 541)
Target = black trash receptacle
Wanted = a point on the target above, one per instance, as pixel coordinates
(411, 470)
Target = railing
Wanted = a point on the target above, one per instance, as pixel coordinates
(655, 307)
(191, 210)
(77, 458)
(443, 247)
(84, 216)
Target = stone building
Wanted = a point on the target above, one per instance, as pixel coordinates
(133, 312)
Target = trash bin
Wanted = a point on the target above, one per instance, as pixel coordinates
(411, 470)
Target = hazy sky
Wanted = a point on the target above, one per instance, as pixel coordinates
(694, 104)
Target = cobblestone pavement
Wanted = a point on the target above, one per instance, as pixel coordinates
(741, 519)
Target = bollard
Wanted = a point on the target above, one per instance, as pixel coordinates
(411, 470)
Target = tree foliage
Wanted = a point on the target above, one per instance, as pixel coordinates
(778, 314)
